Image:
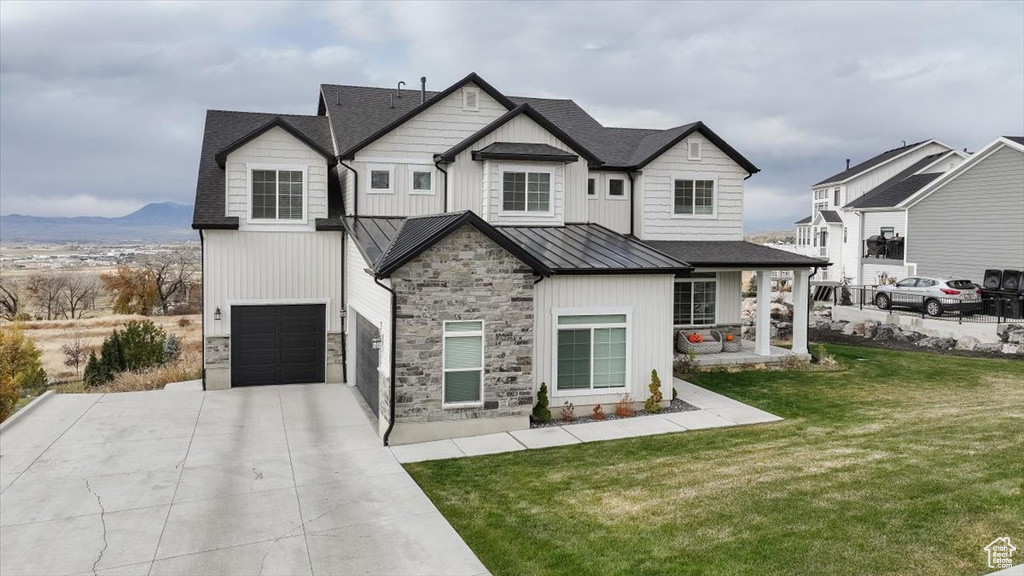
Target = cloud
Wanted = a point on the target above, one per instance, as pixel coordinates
(106, 101)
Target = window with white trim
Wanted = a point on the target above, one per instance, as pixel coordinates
(693, 149)
(471, 99)
(463, 383)
(381, 178)
(694, 300)
(837, 196)
(591, 187)
(696, 197)
(591, 352)
(421, 180)
(277, 195)
(617, 188)
(526, 191)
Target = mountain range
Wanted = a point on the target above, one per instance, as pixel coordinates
(156, 222)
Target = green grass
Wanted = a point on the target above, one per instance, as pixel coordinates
(899, 463)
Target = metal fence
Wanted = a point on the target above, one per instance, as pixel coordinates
(990, 309)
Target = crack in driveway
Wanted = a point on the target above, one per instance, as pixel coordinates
(103, 523)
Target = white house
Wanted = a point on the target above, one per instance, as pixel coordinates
(448, 252)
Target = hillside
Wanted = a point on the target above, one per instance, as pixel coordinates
(164, 222)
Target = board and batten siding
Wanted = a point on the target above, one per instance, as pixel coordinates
(649, 298)
(278, 148)
(972, 223)
(860, 185)
(610, 213)
(415, 142)
(372, 302)
(729, 300)
(469, 179)
(270, 267)
(659, 221)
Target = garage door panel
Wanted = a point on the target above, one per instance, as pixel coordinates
(278, 344)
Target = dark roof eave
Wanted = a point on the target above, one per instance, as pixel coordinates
(330, 225)
(618, 271)
(564, 158)
(783, 265)
(230, 223)
(278, 122)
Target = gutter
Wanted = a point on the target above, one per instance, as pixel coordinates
(391, 396)
(437, 164)
(355, 189)
(202, 307)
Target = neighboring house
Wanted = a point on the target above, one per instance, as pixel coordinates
(448, 252)
(861, 202)
(970, 219)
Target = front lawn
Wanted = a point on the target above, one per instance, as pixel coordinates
(902, 463)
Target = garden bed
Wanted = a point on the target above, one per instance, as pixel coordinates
(676, 405)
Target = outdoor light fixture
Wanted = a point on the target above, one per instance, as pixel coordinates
(342, 315)
(376, 342)
(216, 313)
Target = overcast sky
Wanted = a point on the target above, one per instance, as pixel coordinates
(102, 105)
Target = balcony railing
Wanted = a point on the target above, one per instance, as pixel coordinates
(887, 249)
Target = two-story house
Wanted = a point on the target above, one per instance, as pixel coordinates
(856, 220)
(448, 252)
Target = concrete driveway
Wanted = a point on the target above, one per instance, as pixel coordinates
(267, 480)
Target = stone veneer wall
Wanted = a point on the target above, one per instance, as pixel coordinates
(218, 352)
(465, 276)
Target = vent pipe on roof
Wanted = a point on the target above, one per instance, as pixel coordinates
(423, 89)
(339, 99)
(392, 105)
(399, 91)
(904, 143)
(847, 163)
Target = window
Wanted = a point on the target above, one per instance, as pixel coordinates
(526, 191)
(693, 149)
(463, 363)
(819, 206)
(591, 352)
(471, 99)
(695, 197)
(277, 194)
(381, 178)
(617, 188)
(887, 232)
(694, 302)
(837, 197)
(421, 180)
(591, 187)
(845, 237)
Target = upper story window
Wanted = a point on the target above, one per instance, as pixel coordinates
(821, 194)
(616, 189)
(591, 187)
(277, 194)
(693, 149)
(526, 192)
(819, 206)
(837, 197)
(695, 197)
(471, 99)
(381, 179)
(421, 180)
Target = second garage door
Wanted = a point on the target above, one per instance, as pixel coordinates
(277, 344)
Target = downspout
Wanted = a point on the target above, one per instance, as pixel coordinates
(343, 313)
(632, 202)
(810, 304)
(437, 164)
(391, 396)
(202, 307)
(355, 188)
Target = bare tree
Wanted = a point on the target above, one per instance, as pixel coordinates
(172, 270)
(75, 349)
(11, 301)
(45, 289)
(78, 295)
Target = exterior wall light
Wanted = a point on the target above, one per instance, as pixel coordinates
(216, 313)
(376, 342)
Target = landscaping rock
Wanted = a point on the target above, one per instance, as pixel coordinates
(838, 325)
(783, 328)
(1013, 348)
(1005, 330)
(851, 328)
(886, 332)
(1016, 337)
(967, 343)
(988, 347)
(937, 343)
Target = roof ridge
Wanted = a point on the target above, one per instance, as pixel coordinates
(264, 113)
(384, 253)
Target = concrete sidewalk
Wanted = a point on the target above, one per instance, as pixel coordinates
(271, 480)
(715, 411)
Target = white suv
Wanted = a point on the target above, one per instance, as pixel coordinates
(934, 295)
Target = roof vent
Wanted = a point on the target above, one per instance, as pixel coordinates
(847, 163)
(399, 91)
(423, 89)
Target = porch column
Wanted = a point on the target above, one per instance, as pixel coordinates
(763, 322)
(801, 295)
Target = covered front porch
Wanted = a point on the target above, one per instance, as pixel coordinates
(709, 299)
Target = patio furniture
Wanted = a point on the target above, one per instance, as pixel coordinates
(736, 331)
(711, 341)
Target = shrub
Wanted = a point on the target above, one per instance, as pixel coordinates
(653, 402)
(597, 413)
(624, 407)
(19, 368)
(685, 364)
(540, 411)
(172, 348)
(95, 372)
(187, 367)
(142, 344)
(568, 412)
(112, 355)
(825, 358)
(184, 322)
(675, 393)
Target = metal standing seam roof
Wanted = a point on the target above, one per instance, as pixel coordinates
(373, 235)
(733, 253)
(592, 248)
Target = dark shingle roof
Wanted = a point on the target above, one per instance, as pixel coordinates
(899, 187)
(389, 243)
(869, 163)
(707, 253)
(806, 220)
(524, 151)
(831, 216)
(224, 128)
(593, 249)
(1017, 139)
